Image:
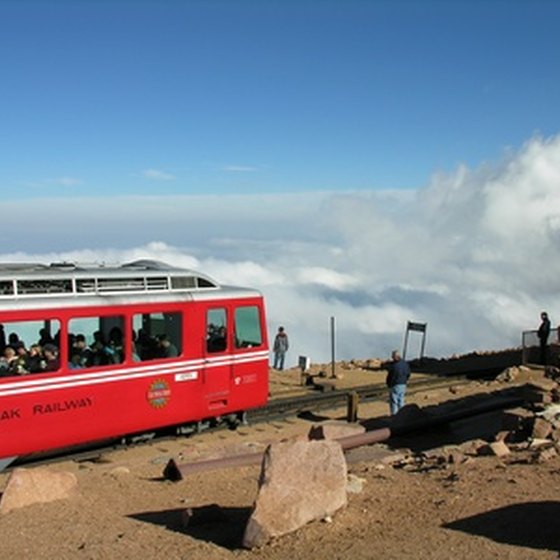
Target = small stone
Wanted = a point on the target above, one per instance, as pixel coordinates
(355, 484)
(541, 429)
(455, 457)
(473, 447)
(498, 449)
(119, 471)
(536, 443)
(509, 374)
(546, 454)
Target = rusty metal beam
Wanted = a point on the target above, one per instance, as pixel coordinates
(174, 471)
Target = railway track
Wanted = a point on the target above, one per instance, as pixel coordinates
(316, 401)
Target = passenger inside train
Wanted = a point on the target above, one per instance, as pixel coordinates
(44, 355)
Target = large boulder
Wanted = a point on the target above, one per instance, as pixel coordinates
(39, 485)
(300, 481)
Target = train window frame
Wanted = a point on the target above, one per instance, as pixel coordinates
(32, 363)
(244, 325)
(162, 332)
(105, 352)
(216, 330)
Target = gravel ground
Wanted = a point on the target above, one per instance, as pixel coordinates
(477, 507)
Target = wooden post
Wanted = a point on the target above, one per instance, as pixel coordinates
(352, 410)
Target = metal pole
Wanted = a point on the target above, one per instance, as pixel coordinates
(352, 407)
(405, 342)
(423, 345)
(333, 374)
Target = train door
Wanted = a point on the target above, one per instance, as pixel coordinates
(217, 377)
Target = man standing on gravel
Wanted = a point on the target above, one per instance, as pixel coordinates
(543, 334)
(280, 348)
(397, 378)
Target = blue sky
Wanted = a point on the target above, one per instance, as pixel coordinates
(378, 162)
(115, 97)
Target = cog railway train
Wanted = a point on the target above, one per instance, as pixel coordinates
(96, 353)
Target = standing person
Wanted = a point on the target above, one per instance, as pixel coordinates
(543, 334)
(280, 348)
(397, 378)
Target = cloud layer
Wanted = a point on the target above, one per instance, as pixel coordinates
(474, 253)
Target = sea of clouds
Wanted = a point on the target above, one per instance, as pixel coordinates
(474, 253)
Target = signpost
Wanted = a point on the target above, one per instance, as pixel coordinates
(415, 327)
(304, 364)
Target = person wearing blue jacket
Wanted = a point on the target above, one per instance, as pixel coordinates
(397, 377)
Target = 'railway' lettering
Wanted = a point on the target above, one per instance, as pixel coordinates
(9, 414)
(62, 406)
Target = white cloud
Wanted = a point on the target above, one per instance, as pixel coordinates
(325, 277)
(157, 175)
(474, 253)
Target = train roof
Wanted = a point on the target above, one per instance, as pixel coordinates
(34, 280)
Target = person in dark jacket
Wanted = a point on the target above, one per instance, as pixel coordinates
(281, 345)
(543, 334)
(397, 377)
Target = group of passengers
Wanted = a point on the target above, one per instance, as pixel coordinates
(100, 352)
(43, 356)
(16, 359)
(216, 338)
(149, 347)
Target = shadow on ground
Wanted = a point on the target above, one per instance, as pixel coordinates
(223, 526)
(313, 417)
(484, 426)
(474, 365)
(531, 524)
(451, 422)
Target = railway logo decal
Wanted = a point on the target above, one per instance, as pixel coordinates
(159, 393)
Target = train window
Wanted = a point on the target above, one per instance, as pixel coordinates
(216, 330)
(47, 286)
(6, 287)
(157, 335)
(29, 347)
(95, 341)
(182, 282)
(247, 327)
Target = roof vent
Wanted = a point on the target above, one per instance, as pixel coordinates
(63, 265)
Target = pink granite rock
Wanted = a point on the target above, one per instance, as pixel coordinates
(39, 485)
(300, 482)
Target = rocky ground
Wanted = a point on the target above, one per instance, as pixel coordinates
(438, 495)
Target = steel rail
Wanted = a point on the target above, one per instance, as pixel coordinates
(280, 408)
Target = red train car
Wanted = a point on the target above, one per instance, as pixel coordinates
(98, 352)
